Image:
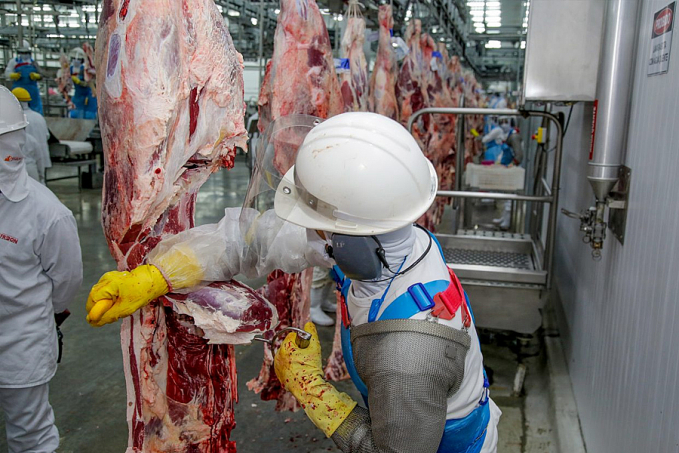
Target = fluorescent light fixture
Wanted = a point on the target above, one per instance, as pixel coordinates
(476, 13)
(493, 32)
(340, 18)
(325, 11)
(479, 29)
(493, 13)
(233, 13)
(479, 24)
(253, 21)
(492, 44)
(476, 4)
(492, 4)
(277, 11)
(523, 44)
(493, 24)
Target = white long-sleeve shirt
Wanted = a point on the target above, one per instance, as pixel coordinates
(40, 273)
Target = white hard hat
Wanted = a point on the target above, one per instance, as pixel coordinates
(12, 117)
(77, 52)
(359, 174)
(25, 47)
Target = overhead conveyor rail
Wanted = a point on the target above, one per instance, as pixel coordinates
(506, 274)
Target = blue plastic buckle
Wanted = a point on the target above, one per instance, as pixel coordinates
(421, 296)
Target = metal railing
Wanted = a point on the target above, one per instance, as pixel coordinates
(552, 197)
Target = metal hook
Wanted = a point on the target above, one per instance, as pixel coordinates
(302, 340)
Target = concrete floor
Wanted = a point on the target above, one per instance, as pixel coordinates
(88, 391)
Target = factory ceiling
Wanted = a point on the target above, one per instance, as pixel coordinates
(489, 35)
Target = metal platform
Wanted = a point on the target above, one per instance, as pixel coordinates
(487, 258)
(506, 275)
(502, 275)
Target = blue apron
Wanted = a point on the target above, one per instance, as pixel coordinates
(462, 435)
(25, 68)
(85, 103)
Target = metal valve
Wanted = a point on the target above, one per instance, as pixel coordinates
(593, 225)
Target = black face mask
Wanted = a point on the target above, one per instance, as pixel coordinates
(359, 257)
(362, 258)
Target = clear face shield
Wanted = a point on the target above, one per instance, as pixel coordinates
(273, 184)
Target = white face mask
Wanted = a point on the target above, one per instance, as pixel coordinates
(25, 57)
(13, 176)
(506, 128)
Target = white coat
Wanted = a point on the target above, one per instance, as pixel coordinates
(37, 128)
(41, 273)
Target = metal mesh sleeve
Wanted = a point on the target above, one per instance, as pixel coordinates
(410, 368)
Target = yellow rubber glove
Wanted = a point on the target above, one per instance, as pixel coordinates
(35, 76)
(15, 76)
(119, 294)
(301, 373)
(475, 133)
(76, 80)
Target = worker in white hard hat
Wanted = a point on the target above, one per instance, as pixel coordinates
(41, 273)
(347, 198)
(36, 149)
(25, 73)
(84, 99)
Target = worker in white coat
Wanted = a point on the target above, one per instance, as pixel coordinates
(40, 274)
(37, 134)
(358, 183)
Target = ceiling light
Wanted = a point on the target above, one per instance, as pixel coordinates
(340, 18)
(277, 11)
(325, 11)
(479, 24)
(233, 13)
(494, 13)
(253, 21)
(492, 4)
(480, 29)
(523, 44)
(475, 4)
(492, 44)
(494, 24)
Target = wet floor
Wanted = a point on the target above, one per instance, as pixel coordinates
(89, 396)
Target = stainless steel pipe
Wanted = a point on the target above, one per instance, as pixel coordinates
(614, 91)
(492, 196)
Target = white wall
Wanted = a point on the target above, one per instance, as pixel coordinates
(620, 318)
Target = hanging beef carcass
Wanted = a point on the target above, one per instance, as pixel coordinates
(354, 81)
(171, 111)
(383, 80)
(440, 138)
(410, 85)
(299, 79)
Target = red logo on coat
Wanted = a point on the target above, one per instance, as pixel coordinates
(9, 238)
(13, 159)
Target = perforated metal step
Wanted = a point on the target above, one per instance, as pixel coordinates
(489, 258)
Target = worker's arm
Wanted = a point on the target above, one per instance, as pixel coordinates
(219, 252)
(208, 253)
(10, 67)
(410, 369)
(61, 260)
(495, 134)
